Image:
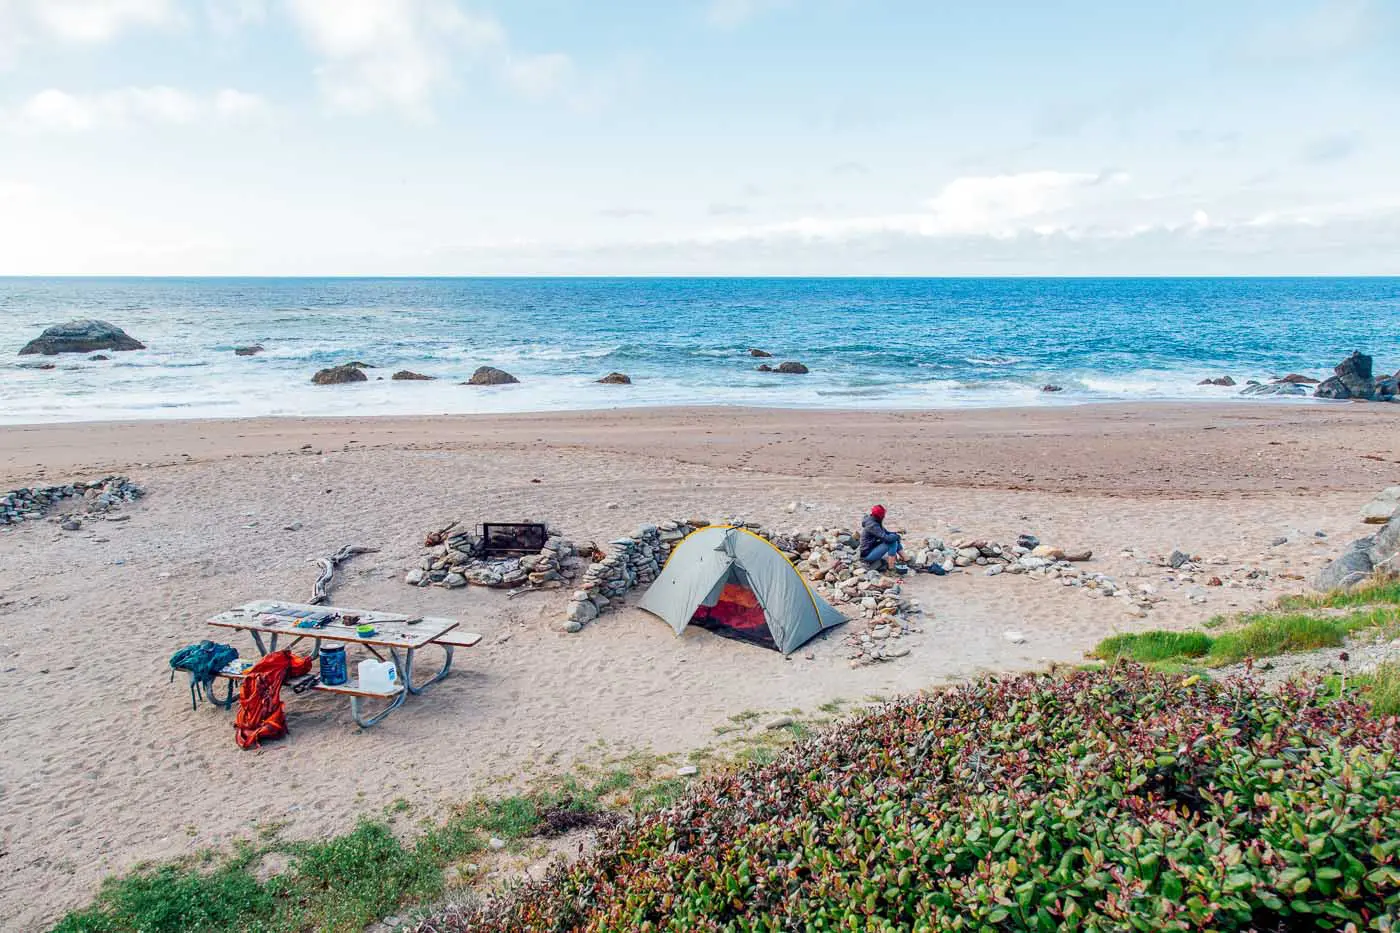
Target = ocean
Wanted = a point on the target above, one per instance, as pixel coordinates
(869, 343)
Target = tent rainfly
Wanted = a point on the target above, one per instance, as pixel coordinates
(739, 585)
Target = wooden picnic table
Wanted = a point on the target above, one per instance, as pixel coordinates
(400, 636)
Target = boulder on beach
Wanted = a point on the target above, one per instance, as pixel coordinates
(792, 368)
(81, 337)
(1353, 567)
(1385, 547)
(1217, 381)
(1382, 508)
(254, 350)
(1332, 387)
(338, 375)
(1274, 388)
(760, 354)
(1299, 379)
(1387, 388)
(407, 375)
(616, 379)
(491, 376)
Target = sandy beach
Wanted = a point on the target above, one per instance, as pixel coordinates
(107, 766)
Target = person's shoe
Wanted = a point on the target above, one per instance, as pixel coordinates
(901, 569)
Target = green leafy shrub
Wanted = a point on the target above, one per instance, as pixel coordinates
(1101, 800)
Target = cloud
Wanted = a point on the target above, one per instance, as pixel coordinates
(624, 213)
(996, 206)
(401, 53)
(721, 209)
(1331, 148)
(86, 22)
(56, 111)
(850, 168)
(727, 14)
(1326, 31)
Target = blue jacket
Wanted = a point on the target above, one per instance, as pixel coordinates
(872, 534)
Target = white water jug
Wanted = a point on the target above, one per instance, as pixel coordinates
(379, 676)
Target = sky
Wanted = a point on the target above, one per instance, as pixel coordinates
(705, 137)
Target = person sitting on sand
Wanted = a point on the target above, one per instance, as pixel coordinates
(877, 544)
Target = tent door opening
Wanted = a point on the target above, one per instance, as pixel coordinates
(733, 611)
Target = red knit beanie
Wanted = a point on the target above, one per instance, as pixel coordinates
(879, 513)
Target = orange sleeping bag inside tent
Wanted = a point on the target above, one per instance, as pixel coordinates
(261, 714)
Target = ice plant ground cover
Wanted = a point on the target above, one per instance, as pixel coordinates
(1098, 800)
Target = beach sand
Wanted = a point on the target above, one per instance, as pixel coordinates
(105, 764)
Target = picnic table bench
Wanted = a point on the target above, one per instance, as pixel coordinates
(400, 636)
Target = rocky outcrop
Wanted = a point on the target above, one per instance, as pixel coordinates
(763, 368)
(1274, 388)
(99, 358)
(405, 375)
(1299, 379)
(81, 337)
(339, 375)
(491, 376)
(1217, 381)
(792, 368)
(616, 379)
(254, 350)
(1382, 508)
(760, 354)
(1052, 388)
(1353, 380)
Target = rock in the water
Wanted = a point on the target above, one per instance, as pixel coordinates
(1052, 388)
(1217, 381)
(337, 375)
(616, 379)
(1332, 387)
(764, 368)
(81, 337)
(99, 358)
(1274, 388)
(254, 350)
(1298, 379)
(760, 354)
(1350, 569)
(792, 368)
(1380, 509)
(408, 375)
(1355, 373)
(491, 376)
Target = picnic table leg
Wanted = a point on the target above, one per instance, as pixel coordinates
(364, 722)
(228, 700)
(405, 666)
(257, 640)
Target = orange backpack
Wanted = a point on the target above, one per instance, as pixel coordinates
(260, 711)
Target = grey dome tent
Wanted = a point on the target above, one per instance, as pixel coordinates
(739, 585)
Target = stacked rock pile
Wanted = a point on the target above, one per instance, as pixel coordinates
(629, 562)
(462, 560)
(21, 505)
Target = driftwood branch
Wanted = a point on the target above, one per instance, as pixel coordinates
(328, 564)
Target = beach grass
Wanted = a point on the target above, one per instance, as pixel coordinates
(1297, 624)
(1381, 688)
